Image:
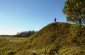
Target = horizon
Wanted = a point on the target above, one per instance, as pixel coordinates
(24, 15)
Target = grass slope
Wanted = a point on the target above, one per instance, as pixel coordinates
(54, 39)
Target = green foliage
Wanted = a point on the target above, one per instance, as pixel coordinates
(75, 11)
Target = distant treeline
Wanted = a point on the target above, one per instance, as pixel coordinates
(21, 34)
(6, 35)
(24, 34)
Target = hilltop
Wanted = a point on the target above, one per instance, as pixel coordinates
(54, 39)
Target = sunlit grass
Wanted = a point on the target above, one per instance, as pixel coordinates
(53, 39)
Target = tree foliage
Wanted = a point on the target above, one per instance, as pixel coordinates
(75, 11)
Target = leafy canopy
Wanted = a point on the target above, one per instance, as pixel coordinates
(75, 11)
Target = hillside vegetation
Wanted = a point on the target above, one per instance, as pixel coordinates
(54, 39)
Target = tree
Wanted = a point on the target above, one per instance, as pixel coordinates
(75, 11)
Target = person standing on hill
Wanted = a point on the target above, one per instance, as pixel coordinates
(55, 20)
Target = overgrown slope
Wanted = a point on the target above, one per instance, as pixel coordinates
(54, 39)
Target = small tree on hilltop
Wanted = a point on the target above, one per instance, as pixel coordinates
(75, 12)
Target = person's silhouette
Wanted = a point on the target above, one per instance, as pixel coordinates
(55, 20)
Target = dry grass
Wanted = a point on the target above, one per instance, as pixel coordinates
(53, 39)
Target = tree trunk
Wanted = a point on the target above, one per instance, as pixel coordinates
(80, 27)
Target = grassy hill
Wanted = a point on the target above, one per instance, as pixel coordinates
(54, 39)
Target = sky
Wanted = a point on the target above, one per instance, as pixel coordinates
(24, 15)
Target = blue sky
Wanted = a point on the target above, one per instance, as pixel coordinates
(25, 15)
